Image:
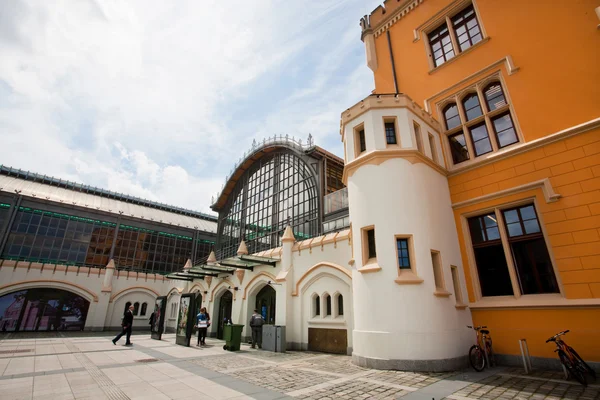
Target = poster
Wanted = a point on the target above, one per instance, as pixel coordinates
(185, 319)
(158, 320)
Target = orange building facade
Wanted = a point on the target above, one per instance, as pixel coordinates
(515, 88)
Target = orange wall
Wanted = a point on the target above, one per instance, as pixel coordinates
(536, 325)
(572, 223)
(555, 44)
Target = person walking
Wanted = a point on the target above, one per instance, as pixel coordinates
(126, 324)
(256, 324)
(203, 322)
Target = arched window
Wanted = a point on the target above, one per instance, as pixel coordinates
(317, 305)
(144, 308)
(328, 304)
(494, 96)
(451, 116)
(136, 308)
(340, 304)
(472, 107)
(126, 307)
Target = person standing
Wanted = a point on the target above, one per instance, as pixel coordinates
(151, 322)
(256, 323)
(126, 324)
(203, 322)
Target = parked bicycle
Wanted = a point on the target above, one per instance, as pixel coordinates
(481, 354)
(574, 364)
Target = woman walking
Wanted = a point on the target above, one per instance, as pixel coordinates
(203, 322)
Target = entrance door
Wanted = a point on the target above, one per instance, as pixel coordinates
(225, 304)
(265, 304)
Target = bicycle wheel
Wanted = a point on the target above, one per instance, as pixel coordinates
(476, 358)
(582, 364)
(490, 351)
(574, 372)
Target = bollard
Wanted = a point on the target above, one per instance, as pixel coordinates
(525, 355)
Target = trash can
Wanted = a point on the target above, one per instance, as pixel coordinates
(232, 334)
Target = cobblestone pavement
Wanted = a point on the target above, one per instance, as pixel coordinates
(87, 366)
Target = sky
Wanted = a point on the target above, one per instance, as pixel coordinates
(160, 99)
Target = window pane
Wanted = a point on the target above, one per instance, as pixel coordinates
(472, 107)
(514, 229)
(466, 18)
(533, 266)
(438, 38)
(451, 116)
(371, 243)
(458, 146)
(493, 271)
(363, 145)
(494, 96)
(340, 300)
(403, 256)
(481, 140)
(390, 132)
(505, 131)
(511, 216)
(531, 226)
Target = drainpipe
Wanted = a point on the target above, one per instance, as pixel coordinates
(392, 59)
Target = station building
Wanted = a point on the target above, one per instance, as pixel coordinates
(469, 193)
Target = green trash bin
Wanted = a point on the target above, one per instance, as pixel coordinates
(232, 334)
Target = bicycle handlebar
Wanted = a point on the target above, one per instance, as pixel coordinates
(553, 338)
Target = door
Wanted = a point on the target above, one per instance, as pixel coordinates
(265, 304)
(225, 304)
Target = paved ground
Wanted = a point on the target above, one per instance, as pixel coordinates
(88, 366)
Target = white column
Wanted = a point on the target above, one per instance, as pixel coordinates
(283, 314)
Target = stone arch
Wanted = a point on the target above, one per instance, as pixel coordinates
(319, 266)
(47, 283)
(198, 286)
(253, 289)
(174, 291)
(133, 289)
(220, 287)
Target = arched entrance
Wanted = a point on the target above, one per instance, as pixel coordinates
(225, 304)
(265, 303)
(198, 302)
(42, 309)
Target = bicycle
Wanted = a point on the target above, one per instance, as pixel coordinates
(478, 357)
(569, 358)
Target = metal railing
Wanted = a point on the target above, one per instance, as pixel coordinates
(335, 201)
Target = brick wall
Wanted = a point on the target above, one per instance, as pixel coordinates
(573, 222)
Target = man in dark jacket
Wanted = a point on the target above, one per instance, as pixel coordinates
(256, 323)
(126, 324)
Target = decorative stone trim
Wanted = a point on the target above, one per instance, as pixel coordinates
(132, 289)
(317, 266)
(442, 293)
(41, 282)
(372, 267)
(224, 281)
(549, 194)
(395, 15)
(262, 273)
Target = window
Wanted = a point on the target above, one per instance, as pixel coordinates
(456, 285)
(390, 132)
(368, 244)
(317, 301)
(360, 143)
(466, 28)
(403, 253)
(433, 148)
(529, 256)
(465, 33)
(328, 305)
(418, 138)
(438, 272)
(340, 304)
(136, 308)
(173, 310)
(472, 135)
(144, 308)
(441, 45)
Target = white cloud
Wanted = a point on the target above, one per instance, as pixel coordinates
(138, 96)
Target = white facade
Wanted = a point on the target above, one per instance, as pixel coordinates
(402, 318)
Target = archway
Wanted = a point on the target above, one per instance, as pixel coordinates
(42, 309)
(265, 303)
(198, 302)
(225, 305)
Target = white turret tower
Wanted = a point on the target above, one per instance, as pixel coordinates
(409, 288)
